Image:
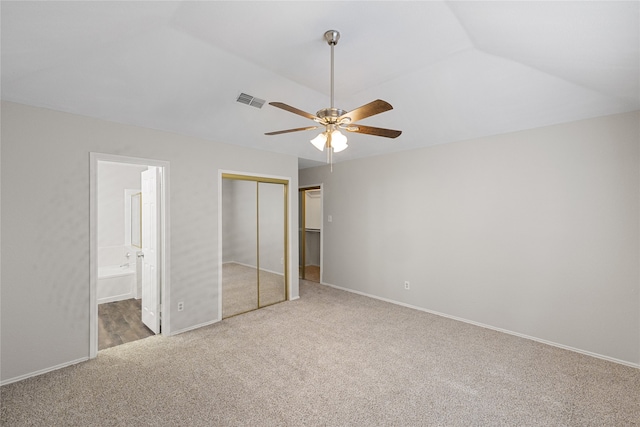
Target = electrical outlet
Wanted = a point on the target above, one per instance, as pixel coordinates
(181, 306)
(406, 285)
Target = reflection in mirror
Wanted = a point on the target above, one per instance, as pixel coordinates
(271, 232)
(239, 242)
(136, 220)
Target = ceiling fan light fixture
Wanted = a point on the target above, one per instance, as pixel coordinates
(333, 118)
(338, 141)
(320, 141)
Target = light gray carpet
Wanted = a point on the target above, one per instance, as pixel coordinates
(331, 358)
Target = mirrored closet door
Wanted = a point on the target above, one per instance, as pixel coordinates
(254, 236)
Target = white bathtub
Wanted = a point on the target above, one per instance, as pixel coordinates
(116, 283)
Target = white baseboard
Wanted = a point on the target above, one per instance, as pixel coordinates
(84, 359)
(42, 371)
(482, 325)
(116, 298)
(191, 328)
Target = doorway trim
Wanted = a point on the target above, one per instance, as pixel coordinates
(165, 239)
(315, 187)
(288, 264)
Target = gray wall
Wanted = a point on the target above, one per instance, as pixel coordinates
(534, 232)
(312, 253)
(45, 227)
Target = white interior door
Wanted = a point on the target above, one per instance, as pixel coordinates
(150, 250)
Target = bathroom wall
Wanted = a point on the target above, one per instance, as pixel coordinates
(113, 180)
(116, 182)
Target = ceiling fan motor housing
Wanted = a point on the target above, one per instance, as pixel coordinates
(330, 115)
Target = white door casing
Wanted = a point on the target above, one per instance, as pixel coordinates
(150, 251)
(164, 239)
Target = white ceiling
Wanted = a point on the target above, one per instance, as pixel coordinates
(453, 70)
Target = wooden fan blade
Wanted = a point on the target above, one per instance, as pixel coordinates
(278, 132)
(370, 130)
(293, 110)
(374, 107)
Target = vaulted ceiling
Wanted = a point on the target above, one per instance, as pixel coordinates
(453, 70)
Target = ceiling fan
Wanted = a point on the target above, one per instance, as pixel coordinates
(333, 119)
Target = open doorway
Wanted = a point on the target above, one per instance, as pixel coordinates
(310, 238)
(129, 250)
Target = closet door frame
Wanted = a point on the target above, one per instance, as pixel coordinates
(285, 182)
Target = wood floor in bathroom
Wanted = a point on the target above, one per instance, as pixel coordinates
(120, 322)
